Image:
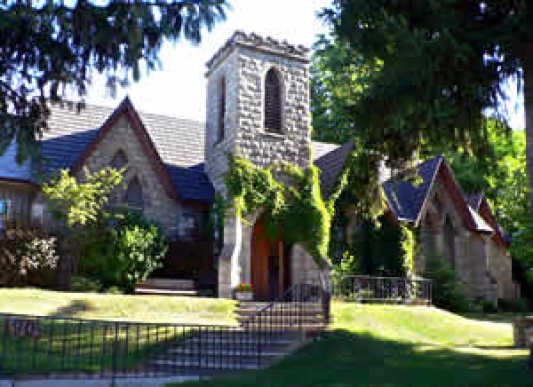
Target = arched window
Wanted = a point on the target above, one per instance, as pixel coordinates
(273, 102)
(134, 195)
(221, 110)
(120, 160)
(449, 240)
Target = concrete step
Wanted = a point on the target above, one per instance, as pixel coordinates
(280, 320)
(166, 292)
(223, 352)
(243, 335)
(205, 363)
(233, 345)
(169, 283)
(287, 327)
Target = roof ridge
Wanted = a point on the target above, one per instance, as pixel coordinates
(112, 109)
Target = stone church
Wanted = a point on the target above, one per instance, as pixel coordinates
(258, 106)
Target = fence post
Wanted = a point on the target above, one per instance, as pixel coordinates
(115, 355)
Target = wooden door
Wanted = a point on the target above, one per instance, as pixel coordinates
(270, 269)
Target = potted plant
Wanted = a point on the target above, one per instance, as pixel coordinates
(244, 292)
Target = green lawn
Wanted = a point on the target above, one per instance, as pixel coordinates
(182, 310)
(75, 345)
(390, 346)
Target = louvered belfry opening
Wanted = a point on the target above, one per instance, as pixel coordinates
(273, 102)
(222, 111)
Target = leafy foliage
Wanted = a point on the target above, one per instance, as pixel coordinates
(81, 203)
(83, 284)
(52, 48)
(407, 248)
(441, 64)
(80, 208)
(378, 248)
(295, 209)
(448, 292)
(27, 258)
(129, 251)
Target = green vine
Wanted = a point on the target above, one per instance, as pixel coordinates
(291, 202)
(407, 245)
(294, 207)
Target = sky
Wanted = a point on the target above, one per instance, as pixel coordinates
(179, 88)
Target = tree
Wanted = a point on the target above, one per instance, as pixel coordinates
(80, 209)
(438, 65)
(50, 47)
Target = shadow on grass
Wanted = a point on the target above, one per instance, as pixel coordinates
(73, 309)
(343, 359)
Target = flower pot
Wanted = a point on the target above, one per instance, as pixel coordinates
(244, 296)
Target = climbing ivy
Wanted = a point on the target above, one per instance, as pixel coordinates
(289, 199)
(291, 203)
(407, 245)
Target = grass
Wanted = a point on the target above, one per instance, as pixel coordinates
(160, 309)
(397, 346)
(65, 344)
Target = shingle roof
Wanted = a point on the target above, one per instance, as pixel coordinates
(10, 169)
(179, 142)
(474, 200)
(406, 199)
(330, 159)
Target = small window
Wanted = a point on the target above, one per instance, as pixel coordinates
(120, 160)
(5, 210)
(134, 195)
(273, 102)
(221, 111)
(189, 227)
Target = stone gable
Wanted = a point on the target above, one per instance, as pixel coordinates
(157, 205)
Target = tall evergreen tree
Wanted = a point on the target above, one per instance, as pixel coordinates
(434, 68)
(49, 47)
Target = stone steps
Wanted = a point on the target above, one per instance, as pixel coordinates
(167, 287)
(255, 344)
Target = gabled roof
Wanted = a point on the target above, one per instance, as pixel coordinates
(177, 144)
(480, 203)
(404, 198)
(408, 201)
(174, 146)
(330, 159)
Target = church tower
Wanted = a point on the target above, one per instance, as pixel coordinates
(257, 104)
(257, 108)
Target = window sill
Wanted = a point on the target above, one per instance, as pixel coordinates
(279, 136)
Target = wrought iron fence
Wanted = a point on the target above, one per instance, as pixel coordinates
(70, 347)
(383, 289)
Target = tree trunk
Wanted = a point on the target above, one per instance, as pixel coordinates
(527, 65)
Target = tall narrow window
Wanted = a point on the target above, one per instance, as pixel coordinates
(221, 110)
(272, 113)
(134, 195)
(449, 240)
(120, 160)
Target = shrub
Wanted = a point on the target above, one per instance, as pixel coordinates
(448, 291)
(84, 284)
(126, 254)
(507, 305)
(27, 258)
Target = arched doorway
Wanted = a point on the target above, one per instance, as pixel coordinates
(270, 264)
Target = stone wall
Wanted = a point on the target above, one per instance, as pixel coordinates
(243, 63)
(157, 205)
(470, 248)
(501, 266)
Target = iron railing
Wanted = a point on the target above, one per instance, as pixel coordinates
(382, 289)
(70, 347)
